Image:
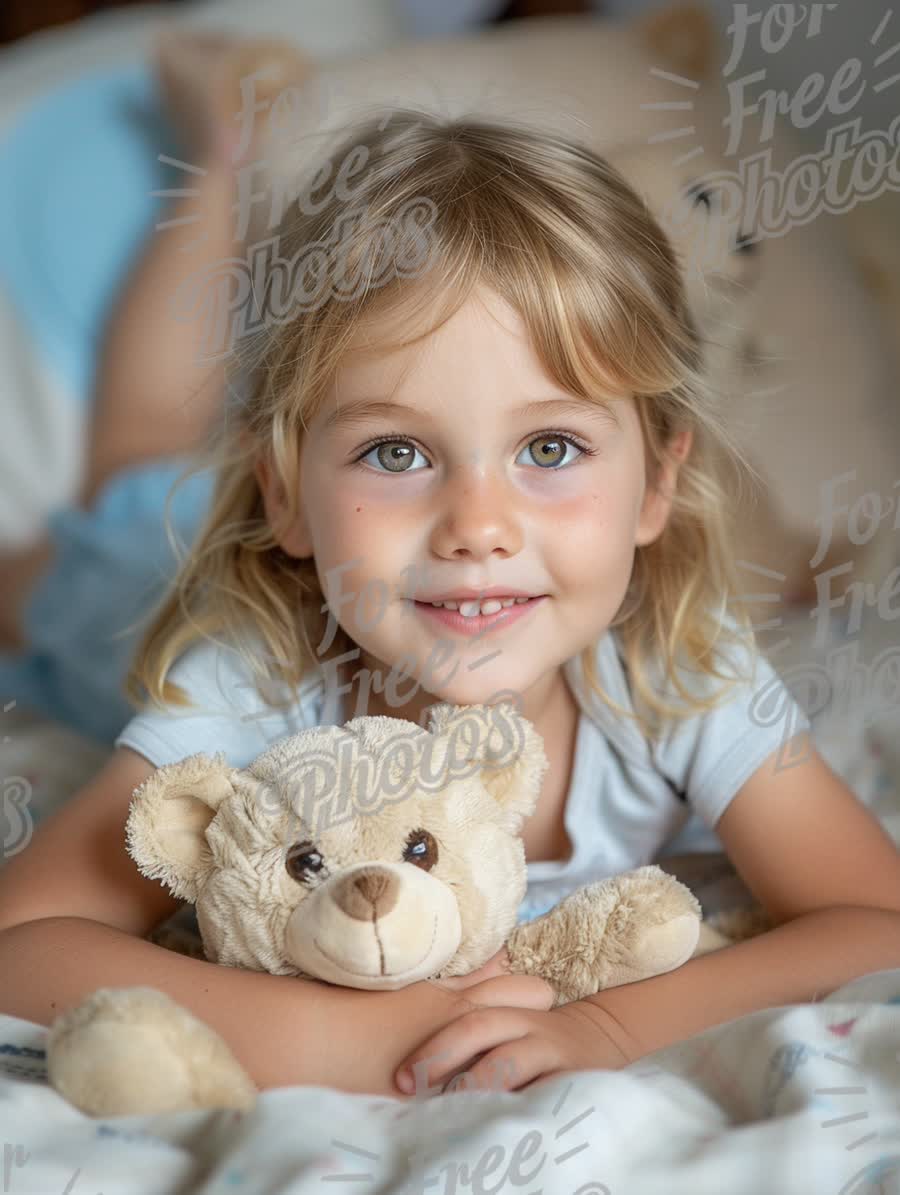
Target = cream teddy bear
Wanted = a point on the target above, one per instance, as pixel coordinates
(371, 855)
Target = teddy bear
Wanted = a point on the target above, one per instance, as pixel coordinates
(370, 855)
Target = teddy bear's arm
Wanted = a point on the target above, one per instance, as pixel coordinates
(617, 931)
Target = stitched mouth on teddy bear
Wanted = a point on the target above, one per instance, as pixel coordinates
(385, 974)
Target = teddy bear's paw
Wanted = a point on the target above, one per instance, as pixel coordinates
(653, 927)
(133, 1051)
(615, 931)
(710, 939)
(660, 948)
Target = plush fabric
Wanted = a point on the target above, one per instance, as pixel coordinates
(372, 855)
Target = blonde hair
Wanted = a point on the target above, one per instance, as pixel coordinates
(553, 229)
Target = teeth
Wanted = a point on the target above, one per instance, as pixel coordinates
(472, 608)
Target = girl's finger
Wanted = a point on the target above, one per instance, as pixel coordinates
(507, 1067)
(495, 965)
(513, 991)
(456, 1044)
(547, 1077)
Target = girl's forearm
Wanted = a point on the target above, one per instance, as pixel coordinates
(282, 1029)
(796, 963)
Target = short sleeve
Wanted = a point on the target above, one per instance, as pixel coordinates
(226, 713)
(708, 756)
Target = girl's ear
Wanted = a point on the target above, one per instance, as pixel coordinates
(293, 536)
(680, 446)
(658, 495)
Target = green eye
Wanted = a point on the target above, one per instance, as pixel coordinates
(393, 454)
(552, 451)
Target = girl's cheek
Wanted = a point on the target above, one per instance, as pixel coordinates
(382, 489)
(358, 528)
(584, 509)
(597, 524)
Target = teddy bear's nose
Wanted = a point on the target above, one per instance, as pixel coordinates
(360, 892)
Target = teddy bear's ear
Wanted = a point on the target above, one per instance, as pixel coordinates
(167, 821)
(681, 36)
(502, 746)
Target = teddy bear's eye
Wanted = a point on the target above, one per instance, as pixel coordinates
(701, 193)
(421, 850)
(303, 861)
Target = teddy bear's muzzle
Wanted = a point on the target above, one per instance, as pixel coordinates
(375, 926)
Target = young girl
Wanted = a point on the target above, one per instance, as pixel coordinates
(476, 458)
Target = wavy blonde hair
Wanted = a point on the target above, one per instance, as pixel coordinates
(553, 229)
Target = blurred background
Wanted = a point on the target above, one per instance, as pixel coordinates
(431, 18)
(21, 17)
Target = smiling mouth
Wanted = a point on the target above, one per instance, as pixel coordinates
(475, 624)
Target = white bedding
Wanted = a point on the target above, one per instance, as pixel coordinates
(800, 1100)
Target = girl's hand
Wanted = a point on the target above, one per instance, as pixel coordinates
(493, 984)
(496, 965)
(511, 1048)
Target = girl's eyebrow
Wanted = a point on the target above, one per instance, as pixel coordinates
(358, 410)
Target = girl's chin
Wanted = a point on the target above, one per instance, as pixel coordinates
(413, 706)
(400, 693)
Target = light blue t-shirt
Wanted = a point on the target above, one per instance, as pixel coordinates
(630, 801)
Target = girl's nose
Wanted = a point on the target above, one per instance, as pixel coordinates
(478, 515)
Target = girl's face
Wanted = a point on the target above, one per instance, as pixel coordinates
(488, 476)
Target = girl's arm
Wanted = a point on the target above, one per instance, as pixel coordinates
(283, 1030)
(76, 864)
(74, 910)
(828, 876)
(794, 963)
